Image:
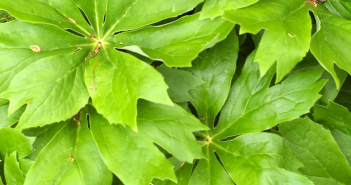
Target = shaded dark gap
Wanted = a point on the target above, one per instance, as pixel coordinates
(156, 63)
(216, 120)
(194, 166)
(75, 33)
(219, 160)
(85, 16)
(193, 110)
(164, 151)
(121, 50)
(116, 33)
(172, 19)
(104, 19)
(88, 120)
(230, 138)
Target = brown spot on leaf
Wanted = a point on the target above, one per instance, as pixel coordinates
(30, 102)
(93, 88)
(202, 119)
(35, 48)
(72, 159)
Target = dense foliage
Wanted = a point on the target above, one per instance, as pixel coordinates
(189, 92)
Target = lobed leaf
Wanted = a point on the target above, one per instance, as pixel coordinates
(176, 43)
(13, 173)
(216, 67)
(130, 79)
(71, 156)
(287, 33)
(326, 40)
(258, 107)
(126, 152)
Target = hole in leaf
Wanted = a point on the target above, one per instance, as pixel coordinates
(75, 33)
(85, 16)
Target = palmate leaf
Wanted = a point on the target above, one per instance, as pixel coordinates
(287, 34)
(326, 40)
(47, 65)
(252, 106)
(317, 150)
(126, 152)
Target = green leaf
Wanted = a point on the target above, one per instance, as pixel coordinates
(64, 13)
(25, 165)
(7, 121)
(214, 8)
(209, 171)
(258, 158)
(326, 39)
(171, 128)
(12, 140)
(132, 14)
(317, 150)
(13, 173)
(287, 32)
(182, 170)
(174, 47)
(40, 74)
(126, 152)
(51, 64)
(180, 82)
(253, 106)
(130, 79)
(50, 87)
(44, 138)
(71, 156)
(216, 67)
(337, 119)
(341, 8)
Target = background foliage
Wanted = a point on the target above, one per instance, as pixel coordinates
(188, 92)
